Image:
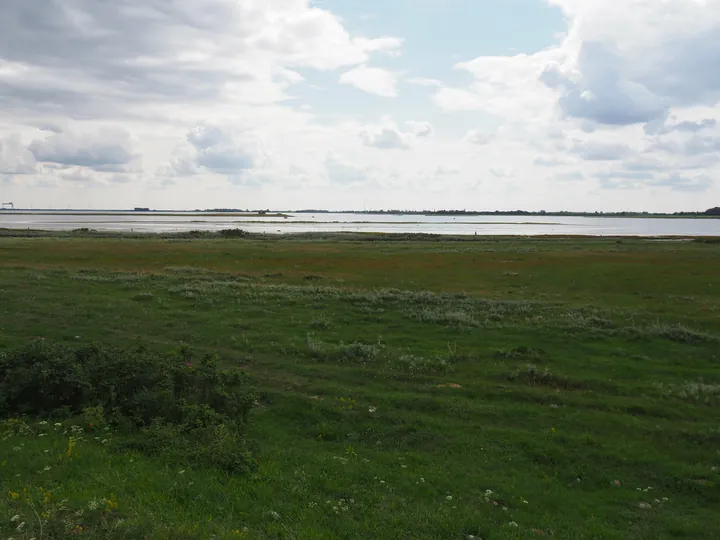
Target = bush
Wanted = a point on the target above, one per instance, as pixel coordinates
(234, 233)
(193, 405)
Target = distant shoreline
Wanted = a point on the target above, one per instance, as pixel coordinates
(288, 213)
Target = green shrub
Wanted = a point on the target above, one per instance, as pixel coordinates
(165, 402)
(234, 233)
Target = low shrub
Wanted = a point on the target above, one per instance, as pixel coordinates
(172, 403)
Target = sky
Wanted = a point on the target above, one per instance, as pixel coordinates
(584, 105)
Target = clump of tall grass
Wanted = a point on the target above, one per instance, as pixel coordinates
(678, 333)
(697, 392)
(355, 352)
(532, 376)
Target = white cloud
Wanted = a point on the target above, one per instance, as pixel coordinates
(15, 158)
(386, 138)
(419, 129)
(377, 81)
(200, 103)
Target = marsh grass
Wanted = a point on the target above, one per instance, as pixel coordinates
(380, 425)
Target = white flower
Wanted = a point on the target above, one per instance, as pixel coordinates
(182, 472)
(58, 424)
(20, 527)
(47, 468)
(372, 409)
(513, 524)
(43, 423)
(15, 518)
(644, 505)
(449, 497)
(274, 515)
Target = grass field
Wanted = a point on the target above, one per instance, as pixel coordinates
(494, 388)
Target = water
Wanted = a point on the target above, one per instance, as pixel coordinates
(295, 223)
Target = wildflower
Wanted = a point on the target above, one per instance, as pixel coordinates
(644, 505)
(20, 527)
(42, 423)
(15, 518)
(372, 409)
(58, 424)
(188, 364)
(512, 524)
(665, 499)
(403, 466)
(274, 515)
(449, 498)
(616, 482)
(47, 468)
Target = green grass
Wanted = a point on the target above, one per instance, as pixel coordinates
(502, 388)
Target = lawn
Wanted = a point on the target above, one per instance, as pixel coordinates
(490, 388)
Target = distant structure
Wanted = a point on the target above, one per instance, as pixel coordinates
(139, 209)
(7, 205)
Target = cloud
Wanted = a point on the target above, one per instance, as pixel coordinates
(506, 86)
(419, 129)
(424, 81)
(385, 138)
(15, 158)
(217, 149)
(342, 172)
(84, 55)
(377, 81)
(549, 161)
(600, 151)
(629, 62)
(479, 137)
(108, 149)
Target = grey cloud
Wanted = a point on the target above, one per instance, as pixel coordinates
(570, 176)
(82, 55)
(640, 86)
(678, 182)
(698, 145)
(548, 161)
(226, 151)
(108, 150)
(694, 127)
(694, 146)
(345, 173)
(597, 151)
(218, 149)
(622, 179)
(603, 93)
(660, 126)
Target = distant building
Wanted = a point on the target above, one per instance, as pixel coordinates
(138, 209)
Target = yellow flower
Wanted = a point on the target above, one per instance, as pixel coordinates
(14, 496)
